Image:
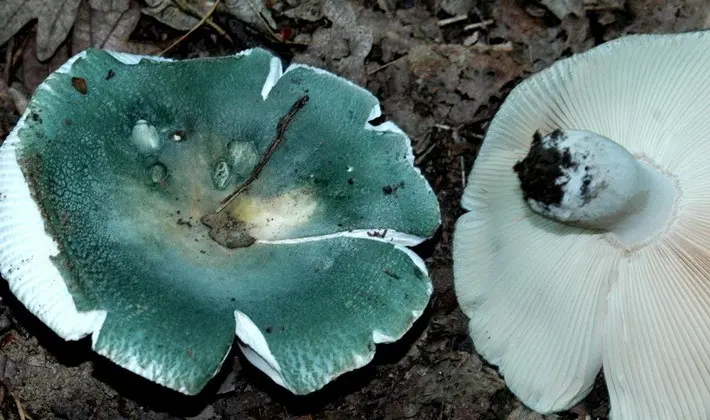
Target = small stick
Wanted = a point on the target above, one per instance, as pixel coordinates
(20, 409)
(384, 66)
(504, 47)
(478, 25)
(449, 21)
(284, 122)
(462, 163)
(200, 23)
(421, 157)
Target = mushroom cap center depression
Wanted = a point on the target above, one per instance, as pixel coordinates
(584, 179)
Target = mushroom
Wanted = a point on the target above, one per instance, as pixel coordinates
(587, 238)
(163, 206)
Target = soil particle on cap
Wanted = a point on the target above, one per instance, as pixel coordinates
(584, 191)
(540, 169)
(228, 232)
(391, 189)
(79, 84)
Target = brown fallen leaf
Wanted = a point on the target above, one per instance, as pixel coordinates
(253, 12)
(171, 14)
(108, 24)
(563, 8)
(55, 19)
(579, 35)
(342, 48)
(515, 24)
(479, 74)
(32, 72)
(186, 14)
(9, 100)
(457, 7)
(308, 10)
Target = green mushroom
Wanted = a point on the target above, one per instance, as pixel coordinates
(163, 206)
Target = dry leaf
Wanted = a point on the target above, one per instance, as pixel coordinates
(108, 24)
(562, 8)
(253, 12)
(457, 7)
(342, 48)
(11, 100)
(309, 10)
(514, 24)
(55, 20)
(169, 13)
(33, 72)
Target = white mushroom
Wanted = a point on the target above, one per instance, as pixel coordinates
(587, 241)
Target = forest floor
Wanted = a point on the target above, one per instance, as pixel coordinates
(441, 68)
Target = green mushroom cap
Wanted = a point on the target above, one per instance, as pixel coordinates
(161, 206)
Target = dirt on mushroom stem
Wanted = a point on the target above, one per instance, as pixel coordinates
(538, 171)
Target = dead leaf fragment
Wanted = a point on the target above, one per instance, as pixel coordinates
(514, 24)
(342, 48)
(579, 37)
(17, 97)
(33, 72)
(108, 24)
(310, 10)
(13, 102)
(184, 15)
(171, 14)
(457, 7)
(253, 12)
(55, 19)
(562, 8)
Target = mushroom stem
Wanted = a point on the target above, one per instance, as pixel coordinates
(585, 179)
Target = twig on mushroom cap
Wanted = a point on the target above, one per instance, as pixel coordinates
(280, 131)
(224, 229)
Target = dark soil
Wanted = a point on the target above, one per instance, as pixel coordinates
(539, 170)
(438, 90)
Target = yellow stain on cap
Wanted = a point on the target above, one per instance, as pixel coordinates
(274, 217)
